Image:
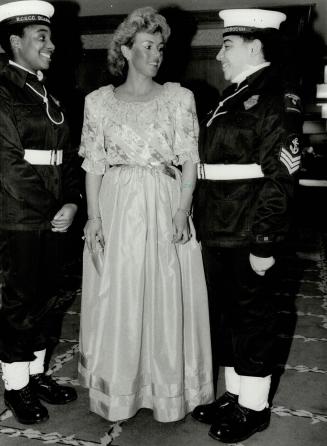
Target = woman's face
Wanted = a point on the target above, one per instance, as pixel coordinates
(146, 54)
(34, 49)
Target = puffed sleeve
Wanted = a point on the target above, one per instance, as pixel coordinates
(186, 128)
(92, 139)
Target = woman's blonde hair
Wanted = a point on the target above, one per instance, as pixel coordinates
(140, 20)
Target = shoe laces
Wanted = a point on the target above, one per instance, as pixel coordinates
(42, 378)
(226, 398)
(28, 397)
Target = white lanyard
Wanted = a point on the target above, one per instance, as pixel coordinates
(216, 112)
(38, 74)
(46, 102)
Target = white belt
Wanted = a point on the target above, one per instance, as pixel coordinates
(43, 157)
(229, 171)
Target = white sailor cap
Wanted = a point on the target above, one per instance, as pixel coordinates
(26, 12)
(244, 21)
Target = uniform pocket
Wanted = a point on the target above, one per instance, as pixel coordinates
(228, 207)
(31, 124)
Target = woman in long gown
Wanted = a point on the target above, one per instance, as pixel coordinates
(144, 339)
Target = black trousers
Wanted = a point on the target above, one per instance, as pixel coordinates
(243, 315)
(30, 263)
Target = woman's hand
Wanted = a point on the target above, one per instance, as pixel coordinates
(64, 218)
(93, 234)
(181, 227)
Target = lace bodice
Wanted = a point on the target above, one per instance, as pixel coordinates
(164, 129)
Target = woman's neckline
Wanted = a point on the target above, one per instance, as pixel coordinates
(158, 94)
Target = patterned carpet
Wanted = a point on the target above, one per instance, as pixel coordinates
(299, 401)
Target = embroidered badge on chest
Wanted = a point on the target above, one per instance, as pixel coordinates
(251, 102)
(290, 153)
(56, 101)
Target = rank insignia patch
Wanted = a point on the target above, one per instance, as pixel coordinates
(251, 102)
(290, 154)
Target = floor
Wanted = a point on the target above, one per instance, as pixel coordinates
(299, 414)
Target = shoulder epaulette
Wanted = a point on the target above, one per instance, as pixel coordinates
(292, 103)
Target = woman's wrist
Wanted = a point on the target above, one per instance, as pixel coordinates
(95, 217)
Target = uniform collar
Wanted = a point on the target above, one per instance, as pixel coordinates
(236, 92)
(17, 75)
(246, 73)
(38, 74)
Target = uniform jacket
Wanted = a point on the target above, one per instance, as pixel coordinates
(30, 195)
(259, 123)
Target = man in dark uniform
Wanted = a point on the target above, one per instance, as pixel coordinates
(250, 151)
(39, 192)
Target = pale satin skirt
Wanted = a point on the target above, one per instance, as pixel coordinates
(144, 336)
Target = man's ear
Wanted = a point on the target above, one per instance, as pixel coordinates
(256, 46)
(125, 51)
(15, 42)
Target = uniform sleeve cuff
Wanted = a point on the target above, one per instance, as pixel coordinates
(72, 198)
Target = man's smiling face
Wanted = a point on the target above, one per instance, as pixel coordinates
(34, 49)
(235, 56)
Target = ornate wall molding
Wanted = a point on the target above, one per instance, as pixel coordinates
(106, 24)
(96, 31)
(203, 37)
(197, 53)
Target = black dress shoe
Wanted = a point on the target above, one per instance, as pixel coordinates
(240, 424)
(48, 390)
(25, 406)
(209, 413)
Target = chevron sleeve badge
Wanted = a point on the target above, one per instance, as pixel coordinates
(290, 154)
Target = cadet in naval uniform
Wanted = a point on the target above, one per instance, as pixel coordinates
(38, 200)
(250, 153)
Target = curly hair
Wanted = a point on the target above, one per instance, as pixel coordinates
(140, 20)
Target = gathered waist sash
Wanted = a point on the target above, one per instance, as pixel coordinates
(229, 171)
(165, 168)
(43, 157)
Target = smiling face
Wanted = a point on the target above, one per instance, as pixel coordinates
(34, 49)
(235, 56)
(146, 54)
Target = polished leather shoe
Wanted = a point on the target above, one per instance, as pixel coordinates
(240, 424)
(25, 406)
(209, 413)
(48, 390)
